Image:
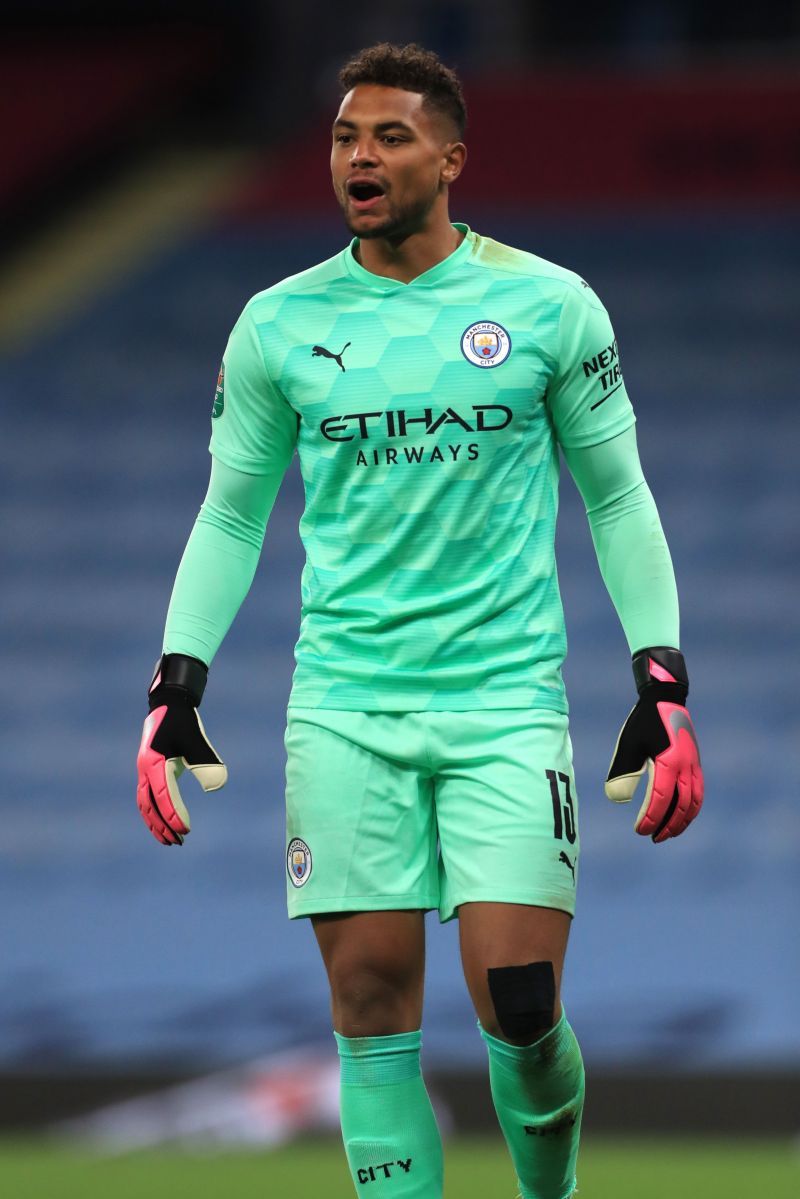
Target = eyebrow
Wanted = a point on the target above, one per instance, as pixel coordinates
(381, 127)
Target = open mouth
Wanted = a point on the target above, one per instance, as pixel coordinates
(364, 194)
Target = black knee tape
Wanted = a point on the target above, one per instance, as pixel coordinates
(524, 998)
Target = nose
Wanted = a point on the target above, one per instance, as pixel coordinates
(364, 153)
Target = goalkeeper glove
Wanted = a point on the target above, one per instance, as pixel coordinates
(174, 740)
(659, 737)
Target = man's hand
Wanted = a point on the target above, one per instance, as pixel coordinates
(174, 740)
(659, 737)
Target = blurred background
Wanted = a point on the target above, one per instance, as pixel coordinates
(161, 162)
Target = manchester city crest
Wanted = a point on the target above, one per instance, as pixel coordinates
(298, 862)
(485, 344)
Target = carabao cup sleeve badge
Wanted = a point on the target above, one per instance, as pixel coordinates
(485, 344)
(219, 394)
(298, 862)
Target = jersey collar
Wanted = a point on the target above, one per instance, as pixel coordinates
(432, 276)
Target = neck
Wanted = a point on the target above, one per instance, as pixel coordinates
(413, 255)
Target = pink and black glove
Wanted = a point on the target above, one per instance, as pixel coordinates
(659, 737)
(174, 740)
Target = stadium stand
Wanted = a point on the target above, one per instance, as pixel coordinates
(65, 104)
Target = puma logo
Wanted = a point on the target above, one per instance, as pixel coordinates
(562, 857)
(321, 352)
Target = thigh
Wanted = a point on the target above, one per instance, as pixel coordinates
(360, 825)
(508, 938)
(375, 962)
(507, 810)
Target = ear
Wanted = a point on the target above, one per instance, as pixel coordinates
(453, 158)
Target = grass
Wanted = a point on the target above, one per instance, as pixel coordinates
(476, 1169)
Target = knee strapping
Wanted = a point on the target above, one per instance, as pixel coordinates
(524, 998)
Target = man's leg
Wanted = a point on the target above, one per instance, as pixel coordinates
(513, 957)
(375, 963)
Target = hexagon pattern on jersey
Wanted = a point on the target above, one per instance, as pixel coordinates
(431, 481)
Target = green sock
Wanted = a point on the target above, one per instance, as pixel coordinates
(388, 1126)
(538, 1096)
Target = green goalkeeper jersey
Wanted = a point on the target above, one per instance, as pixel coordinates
(427, 418)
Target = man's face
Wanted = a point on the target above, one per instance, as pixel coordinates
(388, 162)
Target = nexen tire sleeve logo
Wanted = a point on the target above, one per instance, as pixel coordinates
(604, 368)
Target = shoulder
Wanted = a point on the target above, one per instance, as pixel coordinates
(308, 283)
(555, 283)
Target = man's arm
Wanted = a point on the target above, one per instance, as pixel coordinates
(594, 425)
(219, 561)
(658, 737)
(254, 431)
(213, 579)
(631, 548)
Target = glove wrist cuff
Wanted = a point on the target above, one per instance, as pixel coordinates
(660, 665)
(184, 674)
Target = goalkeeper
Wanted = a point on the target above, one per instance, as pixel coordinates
(427, 376)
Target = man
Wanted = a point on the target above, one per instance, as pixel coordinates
(427, 376)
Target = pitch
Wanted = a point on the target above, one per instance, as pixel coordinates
(475, 1169)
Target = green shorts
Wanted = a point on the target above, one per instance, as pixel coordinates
(390, 810)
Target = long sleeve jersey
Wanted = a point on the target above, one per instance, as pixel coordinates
(428, 419)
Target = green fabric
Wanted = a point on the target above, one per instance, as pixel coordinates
(418, 809)
(630, 544)
(434, 588)
(427, 418)
(388, 1126)
(538, 1093)
(219, 561)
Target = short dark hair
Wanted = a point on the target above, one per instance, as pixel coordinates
(413, 69)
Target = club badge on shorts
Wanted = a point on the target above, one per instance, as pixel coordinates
(298, 862)
(485, 344)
